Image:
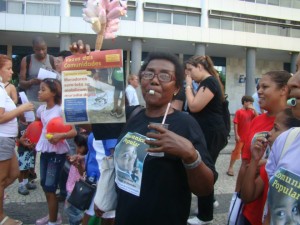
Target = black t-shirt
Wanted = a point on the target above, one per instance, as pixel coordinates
(165, 196)
(211, 116)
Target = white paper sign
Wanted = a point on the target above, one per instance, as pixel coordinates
(29, 116)
(43, 74)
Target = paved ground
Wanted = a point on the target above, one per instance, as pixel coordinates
(29, 208)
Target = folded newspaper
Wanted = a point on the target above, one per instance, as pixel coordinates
(284, 197)
(87, 87)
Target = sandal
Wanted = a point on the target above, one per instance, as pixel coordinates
(230, 173)
(9, 221)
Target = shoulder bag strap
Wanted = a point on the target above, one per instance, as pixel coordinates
(289, 140)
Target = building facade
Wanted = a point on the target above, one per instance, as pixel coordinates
(244, 38)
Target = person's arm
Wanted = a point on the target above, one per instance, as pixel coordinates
(24, 83)
(253, 186)
(200, 100)
(237, 137)
(7, 116)
(200, 176)
(251, 107)
(12, 93)
(60, 136)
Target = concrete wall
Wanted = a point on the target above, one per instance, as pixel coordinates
(234, 68)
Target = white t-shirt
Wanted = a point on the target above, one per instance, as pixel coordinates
(131, 95)
(10, 128)
(43, 144)
(289, 160)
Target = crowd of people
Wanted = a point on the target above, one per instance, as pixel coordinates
(179, 158)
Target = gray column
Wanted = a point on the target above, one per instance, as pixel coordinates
(250, 71)
(204, 13)
(139, 14)
(65, 11)
(200, 49)
(9, 50)
(65, 8)
(136, 59)
(64, 42)
(136, 55)
(294, 57)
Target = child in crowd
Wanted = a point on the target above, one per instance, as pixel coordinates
(77, 169)
(254, 186)
(242, 121)
(26, 158)
(98, 149)
(53, 150)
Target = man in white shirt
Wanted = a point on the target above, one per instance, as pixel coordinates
(131, 95)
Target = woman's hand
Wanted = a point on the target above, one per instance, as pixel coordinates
(171, 143)
(188, 80)
(25, 107)
(80, 48)
(26, 142)
(258, 148)
(56, 137)
(35, 81)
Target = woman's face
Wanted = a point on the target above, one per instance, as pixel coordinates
(6, 71)
(163, 91)
(294, 86)
(285, 212)
(278, 128)
(269, 93)
(194, 72)
(45, 93)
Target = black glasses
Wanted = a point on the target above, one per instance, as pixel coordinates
(163, 76)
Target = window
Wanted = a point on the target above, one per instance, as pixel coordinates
(261, 28)
(150, 16)
(15, 7)
(42, 9)
(273, 30)
(261, 1)
(76, 10)
(130, 15)
(238, 25)
(250, 27)
(179, 18)
(163, 17)
(273, 2)
(193, 20)
(214, 23)
(286, 3)
(296, 4)
(226, 24)
(295, 33)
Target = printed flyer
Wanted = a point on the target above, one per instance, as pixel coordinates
(89, 84)
(284, 197)
(130, 154)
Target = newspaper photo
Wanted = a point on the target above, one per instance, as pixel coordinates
(130, 154)
(284, 197)
(92, 86)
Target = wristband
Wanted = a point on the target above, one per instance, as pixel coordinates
(194, 164)
(188, 86)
